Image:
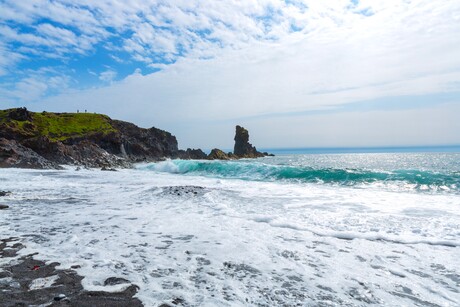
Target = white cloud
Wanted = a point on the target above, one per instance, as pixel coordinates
(34, 85)
(262, 57)
(108, 75)
(8, 59)
(149, 28)
(28, 89)
(60, 34)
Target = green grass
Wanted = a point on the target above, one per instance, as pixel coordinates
(60, 126)
(3, 114)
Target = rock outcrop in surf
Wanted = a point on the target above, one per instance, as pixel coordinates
(192, 154)
(217, 154)
(244, 149)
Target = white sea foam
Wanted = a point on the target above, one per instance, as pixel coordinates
(41, 283)
(234, 243)
(165, 166)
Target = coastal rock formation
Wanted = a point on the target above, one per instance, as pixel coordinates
(217, 154)
(13, 154)
(195, 154)
(244, 149)
(139, 144)
(84, 153)
(44, 140)
(20, 114)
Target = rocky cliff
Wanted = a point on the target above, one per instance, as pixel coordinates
(44, 140)
(48, 140)
(244, 149)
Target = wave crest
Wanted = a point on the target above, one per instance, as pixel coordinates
(256, 171)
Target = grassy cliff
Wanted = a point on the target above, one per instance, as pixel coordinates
(38, 140)
(55, 126)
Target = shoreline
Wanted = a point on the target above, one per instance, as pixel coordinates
(188, 238)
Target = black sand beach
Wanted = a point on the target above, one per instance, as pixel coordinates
(25, 281)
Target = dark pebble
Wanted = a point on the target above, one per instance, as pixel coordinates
(111, 281)
(59, 297)
(178, 301)
(104, 168)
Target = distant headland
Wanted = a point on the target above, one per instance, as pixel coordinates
(47, 140)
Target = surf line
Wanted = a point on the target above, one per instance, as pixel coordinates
(352, 236)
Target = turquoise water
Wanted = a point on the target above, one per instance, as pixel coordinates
(420, 172)
(343, 150)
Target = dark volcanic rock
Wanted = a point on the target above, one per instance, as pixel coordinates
(108, 169)
(25, 286)
(97, 142)
(232, 156)
(111, 281)
(186, 190)
(194, 154)
(130, 143)
(217, 154)
(106, 299)
(45, 140)
(243, 148)
(13, 154)
(5, 193)
(20, 114)
(84, 153)
(140, 144)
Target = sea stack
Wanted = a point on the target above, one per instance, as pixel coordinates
(244, 149)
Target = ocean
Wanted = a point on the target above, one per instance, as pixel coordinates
(298, 229)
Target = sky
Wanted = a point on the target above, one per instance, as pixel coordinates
(295, 73)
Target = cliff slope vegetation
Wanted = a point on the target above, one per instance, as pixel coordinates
(55, 126)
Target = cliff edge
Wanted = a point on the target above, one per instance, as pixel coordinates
(45, 140)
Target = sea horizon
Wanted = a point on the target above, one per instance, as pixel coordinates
(365, 149)
(357, 149)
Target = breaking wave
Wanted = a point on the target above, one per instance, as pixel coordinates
(418, 180)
